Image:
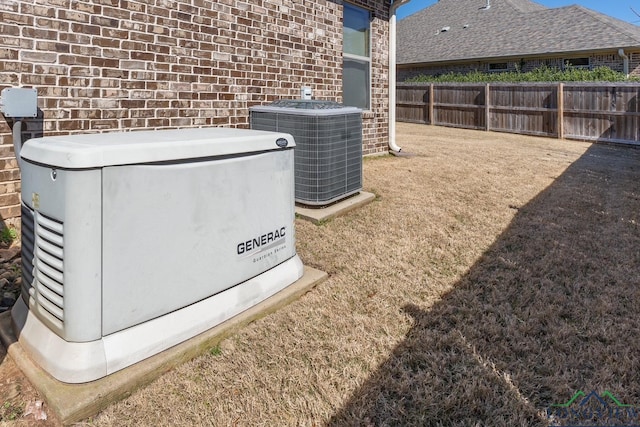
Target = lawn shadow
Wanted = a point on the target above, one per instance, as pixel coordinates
(549, 309)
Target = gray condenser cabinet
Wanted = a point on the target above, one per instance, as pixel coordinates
(328, 154)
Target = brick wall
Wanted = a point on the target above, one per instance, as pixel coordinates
(104, 65)
(405, 72)
(612, 60)
(634, 64)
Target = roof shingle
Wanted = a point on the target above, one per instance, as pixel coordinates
(508, 28)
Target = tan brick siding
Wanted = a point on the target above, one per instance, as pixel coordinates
(611, 60)
(634, 64)
(104, 65)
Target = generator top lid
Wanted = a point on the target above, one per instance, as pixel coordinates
(82, 151)
(308, 107)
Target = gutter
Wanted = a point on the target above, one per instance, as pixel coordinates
(392, 74)
(625, 62)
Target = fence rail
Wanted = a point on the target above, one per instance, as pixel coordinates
(588, 111)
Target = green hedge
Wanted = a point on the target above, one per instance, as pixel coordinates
(542, 74)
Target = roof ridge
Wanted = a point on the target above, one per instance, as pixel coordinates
(609, 21)
(530, 3)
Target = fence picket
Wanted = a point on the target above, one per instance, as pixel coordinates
(608, 112)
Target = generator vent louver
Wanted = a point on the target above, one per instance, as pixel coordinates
(42, 265)
(27, 250)
(328, 154)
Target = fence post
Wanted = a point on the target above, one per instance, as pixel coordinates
(487, 108)
(431, 118)
(560, 110)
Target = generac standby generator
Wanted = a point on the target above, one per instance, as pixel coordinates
(134, 242)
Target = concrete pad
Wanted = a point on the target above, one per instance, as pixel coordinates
(75, 402)
(318, 215)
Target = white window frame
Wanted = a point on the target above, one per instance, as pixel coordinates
(497, 70)
(566, 63)
(366, 59)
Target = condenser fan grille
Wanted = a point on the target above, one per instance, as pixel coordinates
(328, 154)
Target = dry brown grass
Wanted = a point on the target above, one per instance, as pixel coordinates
(495, 275)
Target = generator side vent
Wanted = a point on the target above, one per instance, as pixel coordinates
(28, 241)
(43, 265)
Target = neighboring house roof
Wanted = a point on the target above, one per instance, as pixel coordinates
(508, 28)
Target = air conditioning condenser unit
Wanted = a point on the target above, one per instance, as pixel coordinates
(328, 155)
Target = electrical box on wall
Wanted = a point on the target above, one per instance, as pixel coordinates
(19, 102)
(306, 93)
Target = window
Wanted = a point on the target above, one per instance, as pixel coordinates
(577, 63)
(356, 68)
(498, 66)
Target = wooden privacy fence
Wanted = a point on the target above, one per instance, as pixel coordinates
(588, 111)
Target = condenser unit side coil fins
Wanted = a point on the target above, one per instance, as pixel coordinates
(328, 154)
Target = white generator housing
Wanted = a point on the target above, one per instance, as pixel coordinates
(134, 242)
